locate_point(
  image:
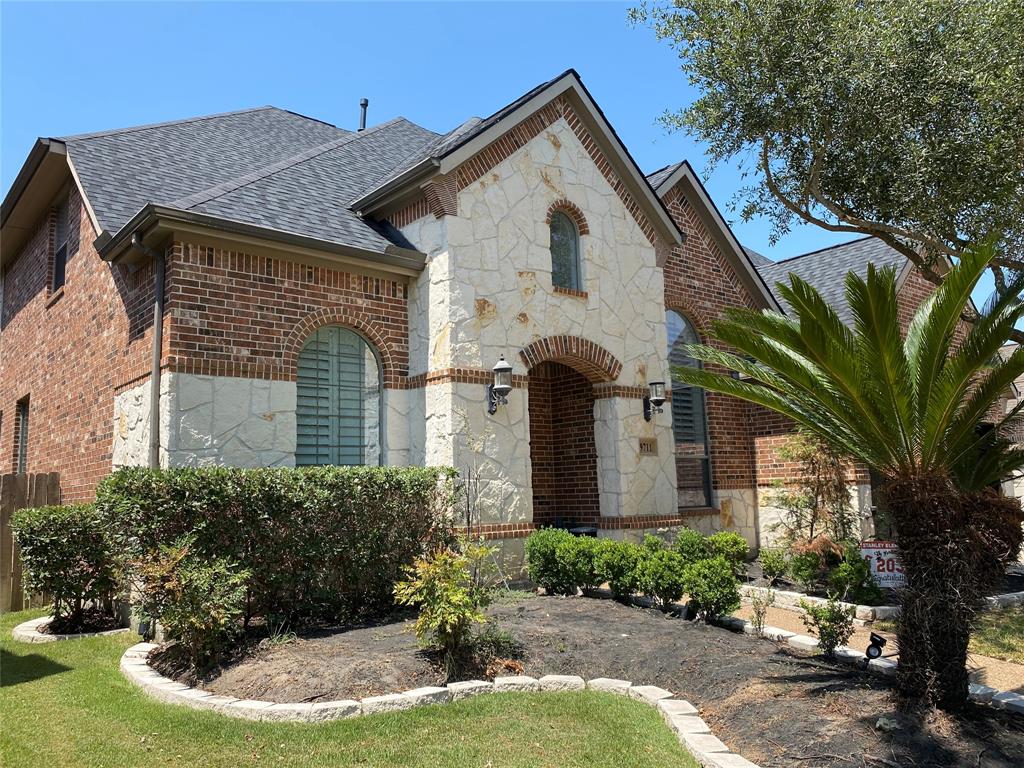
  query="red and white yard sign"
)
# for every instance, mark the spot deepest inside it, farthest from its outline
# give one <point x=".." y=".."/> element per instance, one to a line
<point x="884" y="562"/>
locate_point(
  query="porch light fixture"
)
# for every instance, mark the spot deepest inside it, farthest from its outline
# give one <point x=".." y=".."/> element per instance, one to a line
<point x="497" y="391"/>
<point x="654" y="399"/>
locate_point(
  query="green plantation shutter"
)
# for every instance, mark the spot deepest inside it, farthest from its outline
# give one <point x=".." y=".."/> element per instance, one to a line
<point x="331" y="419"/>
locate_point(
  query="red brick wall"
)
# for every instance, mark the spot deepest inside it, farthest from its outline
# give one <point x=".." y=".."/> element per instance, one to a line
<point x="67" y="351"/>
<point x="701" y="284"/>
<point x="237" y="314"/>
<point x="562" y="448"/>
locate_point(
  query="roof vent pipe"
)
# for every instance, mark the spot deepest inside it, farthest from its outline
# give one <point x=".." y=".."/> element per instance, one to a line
<point x="363" y="104"/>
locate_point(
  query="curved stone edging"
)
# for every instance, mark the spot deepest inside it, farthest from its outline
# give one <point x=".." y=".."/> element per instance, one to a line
<point x="680" y="715"/>
<point x="29" y="632"/>
<point x="982" y="694"/>
<point x="863" y="614"/>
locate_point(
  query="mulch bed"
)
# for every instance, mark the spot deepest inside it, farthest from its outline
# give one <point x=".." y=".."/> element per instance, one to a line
<point x="770" y="704"/>
<point x="93" y="620"/>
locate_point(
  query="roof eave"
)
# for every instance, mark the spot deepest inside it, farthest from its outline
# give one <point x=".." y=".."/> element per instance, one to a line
<point x="396" y="187"/>
<point x="751" y="274"/>
<point x="47" y="162"/>
<point x="118" y="248"/>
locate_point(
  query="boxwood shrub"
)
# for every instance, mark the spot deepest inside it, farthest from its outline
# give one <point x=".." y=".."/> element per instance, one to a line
<point x="68" y="553"/>
<point x="316" y="543"/>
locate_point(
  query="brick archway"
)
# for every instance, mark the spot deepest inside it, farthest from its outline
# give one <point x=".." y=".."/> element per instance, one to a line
<point x="571" y="210"/>
<point x="595" y="362"/>
<point x="357" y="321"/>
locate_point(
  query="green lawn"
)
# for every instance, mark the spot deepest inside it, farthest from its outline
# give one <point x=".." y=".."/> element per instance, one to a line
<point x="67" y="704"/>
<point x="999" y="633"/>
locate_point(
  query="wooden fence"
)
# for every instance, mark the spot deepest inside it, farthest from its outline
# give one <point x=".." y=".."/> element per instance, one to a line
<point x="18" y="492"/>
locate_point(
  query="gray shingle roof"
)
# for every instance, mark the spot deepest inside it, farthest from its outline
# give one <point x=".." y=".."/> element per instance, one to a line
<point x="826" y="269"/>
<point x="655" y="179"/>
<point x="267" y="167"/>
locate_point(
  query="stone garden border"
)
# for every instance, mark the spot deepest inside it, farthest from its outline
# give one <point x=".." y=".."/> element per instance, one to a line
<point x="31" y="632"/>
<point x="982" y="694"/>
<point x="680" y="715"/>
<point x="863" y="614"/>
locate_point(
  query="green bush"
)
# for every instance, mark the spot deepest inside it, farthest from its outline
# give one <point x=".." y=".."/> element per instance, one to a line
<point x="199" y="601"/>
<point x="732" y="546"/>
<point x="712" y="587"/>
<point x="805" y="569"/>
<point x="652" y="543"/>
<point x="691" y="545"/>
<point x="551" y="560"/>
<point x="582" y="558"/>
<point x="318" y="543"/>
<point x="852" y="579"/>
<point x="441" y="584"/>
<point x="660" y="575"/>
<point x="832" y="623"/>
<point x="619" y="565"/>
<point x="774" y="564"/>
<point x="68" y="553"/>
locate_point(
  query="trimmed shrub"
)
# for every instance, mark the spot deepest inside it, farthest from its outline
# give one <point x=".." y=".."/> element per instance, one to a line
<point x="199" y="601"/>
<point x="832" y="623"/>
<point x="732" y="546"/>
<point x="67" y="552"/>
<point x="805" y="568"/>
<point x="582" y="559"/>
<point x="318" y="543"/>
<point x="652" y="543"/>
<point x="691" y="545"/>
<point x="712" y="587"/>
<point x="619" y="565"/>
<point x="774" y="564"/>
<point x="660" y="575"/>
<point x="550" y="560"/>
<point x="852" y="579"/>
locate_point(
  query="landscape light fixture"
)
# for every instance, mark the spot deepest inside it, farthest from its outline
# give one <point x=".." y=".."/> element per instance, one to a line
<point x="497" y="391"/>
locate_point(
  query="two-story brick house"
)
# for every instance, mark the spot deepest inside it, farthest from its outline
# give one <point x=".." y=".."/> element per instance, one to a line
<point x="327" y="296"/>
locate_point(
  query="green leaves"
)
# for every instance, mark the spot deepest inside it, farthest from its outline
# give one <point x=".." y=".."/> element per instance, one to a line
<point x="902" y="406"/>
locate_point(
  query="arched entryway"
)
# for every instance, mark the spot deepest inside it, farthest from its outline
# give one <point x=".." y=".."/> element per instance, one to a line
<point x="563" y="452"/>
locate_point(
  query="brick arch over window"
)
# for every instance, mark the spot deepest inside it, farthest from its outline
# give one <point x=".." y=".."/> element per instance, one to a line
<point x="358" y="321"/>
<point x="595" y="362"/>
<point x="571" y="210"/>
<point x="700" y="323"/>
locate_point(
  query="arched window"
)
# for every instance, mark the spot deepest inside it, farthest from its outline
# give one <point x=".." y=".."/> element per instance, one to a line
<point x="339" y="400"/>
<point x="689" y="419"/>
<point x="565" y="252"/>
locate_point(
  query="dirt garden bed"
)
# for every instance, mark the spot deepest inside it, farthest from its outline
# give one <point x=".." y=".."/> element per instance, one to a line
<point x="774" y="706"/>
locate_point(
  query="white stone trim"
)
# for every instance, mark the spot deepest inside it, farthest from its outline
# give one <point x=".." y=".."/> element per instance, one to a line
<point x="31" y="632"/>
<point x="680" y="715"/>
<point x="863" y="614"/>
<point x="981" y="694"/>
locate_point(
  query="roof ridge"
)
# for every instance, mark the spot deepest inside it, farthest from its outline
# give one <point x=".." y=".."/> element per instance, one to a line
<point x="232" y="185"/>
<point x="822" y="250"/>
<point x="664" y="168"/>
<point x="183" y="121"/>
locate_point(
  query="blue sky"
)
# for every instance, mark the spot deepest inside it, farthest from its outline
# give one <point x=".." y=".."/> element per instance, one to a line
<point x="78" y="67"/>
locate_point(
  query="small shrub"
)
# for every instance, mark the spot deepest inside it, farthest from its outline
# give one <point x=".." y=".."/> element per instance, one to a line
<point x="551" y="560"/>
<point x="440" y="584"/>
<point x="67" y="552"/>
<point x="691" y="545"/>
<point x="712" y="587"/>
<point x="805" y="569"/>
<point x="852" y="579"/>
<point x="832" y="623"/>
<point x="732" y="546"/>
<point x="760" y="602"/>
<point x="198" y="601"/>
<point x="619" y="567"/>
<point x="660" y="575"/>
<point x="652" y="543"/>
<point x="774" y="564"/>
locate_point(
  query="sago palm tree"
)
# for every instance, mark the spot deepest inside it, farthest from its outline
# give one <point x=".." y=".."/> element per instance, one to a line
<point x="917" y="410"/>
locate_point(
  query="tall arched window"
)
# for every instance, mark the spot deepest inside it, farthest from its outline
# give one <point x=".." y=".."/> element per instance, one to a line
<point x="565" y="252"/>
<point x="339" y="400"/>
<point x="689" y="419"/>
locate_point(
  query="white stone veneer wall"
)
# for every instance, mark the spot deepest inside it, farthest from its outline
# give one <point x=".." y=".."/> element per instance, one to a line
<point x="232" y="421"/>
<point x="770" y="513"/>
<point x="486" y="292"/>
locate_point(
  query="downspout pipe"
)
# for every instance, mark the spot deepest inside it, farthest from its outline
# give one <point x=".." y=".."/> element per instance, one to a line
<point x="158" y="344"/>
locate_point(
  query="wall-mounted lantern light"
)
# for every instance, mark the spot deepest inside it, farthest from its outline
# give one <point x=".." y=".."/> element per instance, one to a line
<point x="654" y="399"/>
<point x="497" y="391"/>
